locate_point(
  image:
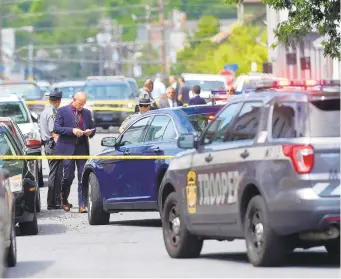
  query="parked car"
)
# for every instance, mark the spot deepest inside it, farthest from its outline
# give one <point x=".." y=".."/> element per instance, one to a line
<point x="13" y="106"/>
<point x="22" y="142"/>
<point x="119" y="185"/>
<point x="23" y="180"/>
<point x="8" y="246"/>
<point x="68" y="88"/>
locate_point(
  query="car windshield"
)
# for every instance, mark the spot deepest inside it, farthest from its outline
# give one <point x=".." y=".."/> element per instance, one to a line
<point x="207" y="85"/>
<point x="118" y="91"/>
<point x="69" y="91"/>
<point x="26" y="91"/>
<point x="200" y="121"/>
<point x="134" y="87"/>
<point x="16" y="111"/>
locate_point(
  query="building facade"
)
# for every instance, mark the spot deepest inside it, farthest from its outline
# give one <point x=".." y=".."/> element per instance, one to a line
<point x="293" y="62"/>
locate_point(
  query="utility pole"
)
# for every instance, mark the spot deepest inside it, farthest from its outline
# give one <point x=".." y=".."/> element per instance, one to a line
<point x="163" y="40"/>
<point x="2" y="65"/>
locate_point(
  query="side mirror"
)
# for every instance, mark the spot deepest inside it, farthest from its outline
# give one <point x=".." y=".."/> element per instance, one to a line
<point x="188" y="141"/>
<point x="35" y="116"/>
<point x="108" y="142"/>
<point x="31" y="143"/>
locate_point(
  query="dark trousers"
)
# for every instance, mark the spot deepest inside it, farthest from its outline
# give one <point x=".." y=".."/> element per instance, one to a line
<point x="69" y="167"/>
<point x="55" y="179"/>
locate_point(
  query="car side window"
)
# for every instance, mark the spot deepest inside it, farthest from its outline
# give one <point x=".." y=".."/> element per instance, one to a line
<point x="135" y="132"/>
<point x="217" y="130"/>
<point x="170" y="132"/>
<point x="6" y="148"/>
<point x="157" y="128"/>
<point x="246" y="124"/>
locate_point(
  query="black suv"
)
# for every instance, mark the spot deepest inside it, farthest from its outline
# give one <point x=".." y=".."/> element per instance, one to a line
<point x="108" y="89"/>
<point x="23" y="179"/>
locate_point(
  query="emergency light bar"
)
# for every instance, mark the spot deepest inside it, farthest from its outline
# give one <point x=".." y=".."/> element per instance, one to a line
<point x="219" y="94"/>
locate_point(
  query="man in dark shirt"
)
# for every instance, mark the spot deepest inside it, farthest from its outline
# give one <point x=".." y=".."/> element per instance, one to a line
<point x="183" y="95"/>
<point x="196" y="100"/>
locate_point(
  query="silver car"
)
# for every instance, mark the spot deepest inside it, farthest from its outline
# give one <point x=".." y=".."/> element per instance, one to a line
<point x="266" y="170"/>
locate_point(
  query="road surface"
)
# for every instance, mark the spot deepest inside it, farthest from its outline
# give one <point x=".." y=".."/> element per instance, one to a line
<point x="132" y="246"/>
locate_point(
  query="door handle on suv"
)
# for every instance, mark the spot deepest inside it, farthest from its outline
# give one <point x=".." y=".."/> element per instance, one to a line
<point x="126" y="151"/>
<point x="208" y="158"/>
<point x="245" y="154"/>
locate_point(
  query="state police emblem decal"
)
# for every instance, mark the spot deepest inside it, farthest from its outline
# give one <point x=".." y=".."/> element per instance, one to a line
<point x="191" y="192"/>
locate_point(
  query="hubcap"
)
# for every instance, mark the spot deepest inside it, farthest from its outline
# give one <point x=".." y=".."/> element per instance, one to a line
<point x="174" y="226"/>
<point x="256" y="230"/>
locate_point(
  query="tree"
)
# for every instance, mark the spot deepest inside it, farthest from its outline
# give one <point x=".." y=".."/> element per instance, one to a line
<point x="306" y="16"/>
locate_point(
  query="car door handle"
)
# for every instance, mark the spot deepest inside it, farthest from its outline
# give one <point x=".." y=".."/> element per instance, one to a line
<point x="157" y="150"/>
<point x="245" y="154"/>
<point x="208" y="158"/>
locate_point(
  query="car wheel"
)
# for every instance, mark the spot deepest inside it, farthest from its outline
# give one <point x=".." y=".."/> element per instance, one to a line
<point x="96" y="214"/>
<point x="30" y="228"/>
<point x="12" y="249"/>
<point x="333" y="247"/>
<point x="38" y="201"/>
<point x="179" y="242"/>
<point x="264" y="247"/>
<point x="105" y="127"/>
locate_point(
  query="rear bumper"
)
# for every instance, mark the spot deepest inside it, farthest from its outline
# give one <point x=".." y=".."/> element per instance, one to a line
<point x="302" y="210"/>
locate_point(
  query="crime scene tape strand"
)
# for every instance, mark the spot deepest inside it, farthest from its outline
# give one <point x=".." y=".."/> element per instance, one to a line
<point x="83" y="157"/>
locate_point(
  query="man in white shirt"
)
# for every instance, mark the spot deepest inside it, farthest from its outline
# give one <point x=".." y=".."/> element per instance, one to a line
<point x="171" y="100"/>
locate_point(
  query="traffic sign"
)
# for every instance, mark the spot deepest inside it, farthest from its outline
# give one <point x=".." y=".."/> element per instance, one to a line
<point x="232" y="67"/>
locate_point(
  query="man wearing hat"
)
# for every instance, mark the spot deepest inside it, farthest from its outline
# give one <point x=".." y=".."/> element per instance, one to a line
<point x="49" y="139"/>
<point x="144" y="105"/>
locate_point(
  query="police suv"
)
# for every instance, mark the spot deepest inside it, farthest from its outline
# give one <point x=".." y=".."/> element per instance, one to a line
<point x="266" y="170"/>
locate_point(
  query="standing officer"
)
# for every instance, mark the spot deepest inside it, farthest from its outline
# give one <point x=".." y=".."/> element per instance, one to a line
<point x="49" y="139"/>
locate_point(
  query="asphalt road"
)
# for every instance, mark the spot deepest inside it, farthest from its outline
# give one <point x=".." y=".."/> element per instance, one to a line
<point x="132" y="246"/>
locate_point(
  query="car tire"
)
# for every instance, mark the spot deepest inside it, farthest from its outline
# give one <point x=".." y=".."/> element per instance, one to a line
<point x="179" y="242"/>
<point x="96" y="214"/>
<point x="40" y="176"/>
<point x="271" y="248"/>
<point x="333" y="247"/>
<point x="12" y="249"/>
<point x="38" y="201"/>
<point x="30" y="228"/>
<point x="105" y="127"/>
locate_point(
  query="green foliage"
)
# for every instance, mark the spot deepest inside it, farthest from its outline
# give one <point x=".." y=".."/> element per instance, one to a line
<point x="203" y="56"/>
<point x="306" y="16"/>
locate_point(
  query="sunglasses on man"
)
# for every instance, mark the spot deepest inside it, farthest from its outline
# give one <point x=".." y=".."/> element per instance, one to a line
<point x="143" y="106"/>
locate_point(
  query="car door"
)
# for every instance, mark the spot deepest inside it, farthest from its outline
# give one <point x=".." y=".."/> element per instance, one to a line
<point x="159" y="140"/>
<point x="15" y="167"/>
<point x="207" y="170"/>
<point x="116" y="176"/>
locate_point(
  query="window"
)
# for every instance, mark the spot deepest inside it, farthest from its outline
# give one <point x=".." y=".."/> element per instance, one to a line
<point x="246" y="124"/>
<point x="134" y="133"/>
<point x="16" y="111"/>
<point x="6" y="148"/>
<point x="199" y="121"/>
<point x="68" y="92"/>
<point x="27" y="91"/>
<point x="217" y="131"/>
<point x="207" y="85"/>
<point x="157" y="128"/>
<point x="283" y="120"/>
<point x="113" y="91"/>
<point x="170" y="133"/>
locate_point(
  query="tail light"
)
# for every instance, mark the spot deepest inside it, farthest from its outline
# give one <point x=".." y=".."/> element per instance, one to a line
<point x="211" y="117"/>
<point x="302" y="157"/>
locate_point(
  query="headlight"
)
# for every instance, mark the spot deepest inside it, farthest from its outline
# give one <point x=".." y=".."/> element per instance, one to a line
<point x="30" y="135"/>
<point x="15" y="183"/>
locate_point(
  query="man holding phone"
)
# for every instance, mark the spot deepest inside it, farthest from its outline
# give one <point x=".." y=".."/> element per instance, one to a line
<point x="75" y="126"/>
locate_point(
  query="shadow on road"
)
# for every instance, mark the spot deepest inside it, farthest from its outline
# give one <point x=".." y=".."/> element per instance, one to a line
<point x="27" y="269"/>
<point x="51" y="229"/>
<point x="298" y="259"/>
<point x="156" y="223"/>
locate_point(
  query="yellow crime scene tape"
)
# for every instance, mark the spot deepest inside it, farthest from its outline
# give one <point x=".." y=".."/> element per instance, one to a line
<point x="82" y="157"/>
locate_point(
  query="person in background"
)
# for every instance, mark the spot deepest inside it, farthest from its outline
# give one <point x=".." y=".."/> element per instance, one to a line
<point x="158" y="89"/>
<point x="183" y="95"/>
<point x="49" y="139"/>
<point x="75" y="126"/>
<point x="174" y="83"/>
<point x="197" y="100"/>
<point x="148" y="87"/>
<point x="171" y="100"/>
<point x="144" y="105"/>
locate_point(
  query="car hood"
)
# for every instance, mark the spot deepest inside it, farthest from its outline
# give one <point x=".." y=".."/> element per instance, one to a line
<point x="25" y="128"/>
